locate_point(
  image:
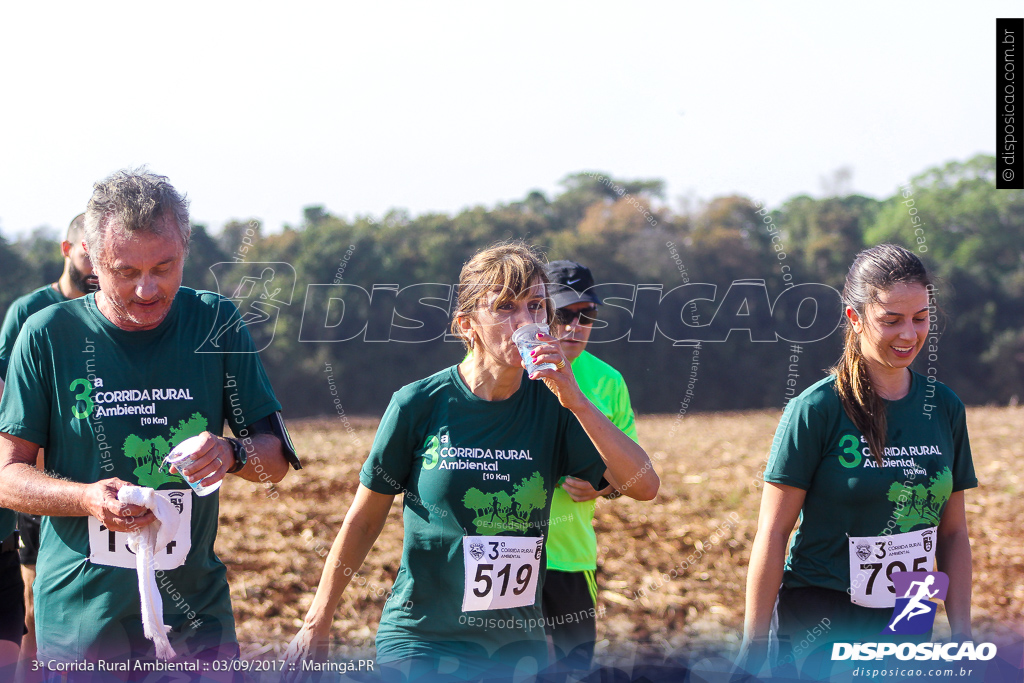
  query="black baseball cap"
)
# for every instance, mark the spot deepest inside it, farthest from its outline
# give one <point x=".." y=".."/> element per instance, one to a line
<point x="571" y="283"/>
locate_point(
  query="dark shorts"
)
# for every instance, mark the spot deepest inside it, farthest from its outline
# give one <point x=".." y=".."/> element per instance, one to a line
<point x="12" y="598"/>
<point x="570" y="601"/>
<point x="811" y="619"/>
<point x="28" y="529"/>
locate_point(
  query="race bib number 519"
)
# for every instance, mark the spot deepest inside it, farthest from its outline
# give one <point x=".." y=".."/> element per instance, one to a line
<point x="873" y="559"/>
<point x="501" y="571"/>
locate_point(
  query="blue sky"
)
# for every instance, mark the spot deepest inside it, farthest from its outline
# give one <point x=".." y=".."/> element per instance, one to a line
<point x="256" y="111"/>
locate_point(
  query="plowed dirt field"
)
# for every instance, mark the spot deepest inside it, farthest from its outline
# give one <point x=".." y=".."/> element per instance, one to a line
<point x="706" y="510"/>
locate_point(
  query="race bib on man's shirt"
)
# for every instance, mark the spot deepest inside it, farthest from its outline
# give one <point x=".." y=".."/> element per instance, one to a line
<point x="110" y="548"/>
<point x="501" y="571"/>
<point x="873" y="559"/>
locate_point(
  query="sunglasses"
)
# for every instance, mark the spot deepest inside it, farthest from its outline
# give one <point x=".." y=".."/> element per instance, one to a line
<point x="587" y="316"/>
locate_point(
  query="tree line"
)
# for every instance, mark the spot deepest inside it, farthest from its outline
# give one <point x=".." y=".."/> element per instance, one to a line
<point x="656" y="264"/>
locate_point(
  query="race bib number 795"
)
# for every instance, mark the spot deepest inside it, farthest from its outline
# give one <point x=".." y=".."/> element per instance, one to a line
<point x="873" y="559"/>
<point x="501" y="571"/>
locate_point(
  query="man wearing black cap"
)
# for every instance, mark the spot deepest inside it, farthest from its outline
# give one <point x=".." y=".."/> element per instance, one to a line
<point x="570" y="590"/>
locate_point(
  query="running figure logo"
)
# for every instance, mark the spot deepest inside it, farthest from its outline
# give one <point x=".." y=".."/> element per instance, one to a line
<point x="914" y="612"/>
<point x="258" y="291"/>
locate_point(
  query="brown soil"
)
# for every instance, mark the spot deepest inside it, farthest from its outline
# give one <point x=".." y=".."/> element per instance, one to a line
<point x="709" y="465"/>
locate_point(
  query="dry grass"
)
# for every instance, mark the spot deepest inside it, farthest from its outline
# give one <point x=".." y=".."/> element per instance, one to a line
<point x="708" y="505"/>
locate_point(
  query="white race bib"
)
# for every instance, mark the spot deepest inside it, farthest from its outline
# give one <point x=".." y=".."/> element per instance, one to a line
<point x="873" y="559"/>
<point x="110" y="548"/>
<point x="501" y="571"/>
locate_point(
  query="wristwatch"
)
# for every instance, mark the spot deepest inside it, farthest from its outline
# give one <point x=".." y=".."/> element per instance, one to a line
<point x="240" y="455"/>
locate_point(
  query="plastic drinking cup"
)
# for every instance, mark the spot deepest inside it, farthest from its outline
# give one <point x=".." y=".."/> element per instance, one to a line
<point x="526" y="340"/>
<point x="182" y="456"/>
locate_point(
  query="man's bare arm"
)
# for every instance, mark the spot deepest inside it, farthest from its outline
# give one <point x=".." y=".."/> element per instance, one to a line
<point x="26" y="489"/>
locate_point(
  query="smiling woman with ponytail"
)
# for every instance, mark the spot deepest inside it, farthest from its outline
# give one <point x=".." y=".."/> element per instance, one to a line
<point x="874" y="271"/>
<point x="874" y="460"/>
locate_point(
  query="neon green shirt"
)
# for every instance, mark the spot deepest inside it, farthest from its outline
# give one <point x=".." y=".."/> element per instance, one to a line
<point x="572" y="543"/>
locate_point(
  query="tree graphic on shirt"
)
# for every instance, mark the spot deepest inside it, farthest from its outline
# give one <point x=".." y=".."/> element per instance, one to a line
<point x="149" y="454"/>
<point x="497" y="511"/>
<point x="476" y="500"/>
<point x="146" y="454"/>
<point x="921" y="504"/>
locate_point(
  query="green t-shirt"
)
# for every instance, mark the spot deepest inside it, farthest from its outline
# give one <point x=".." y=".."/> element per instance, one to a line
<point x="105" y="403"/>
<point x="470" y="467"/>
<point x="572" y="543"/>
<point x="7" y="522"/>
<point x="19" y="311"/>
<point x="817" y="448"/>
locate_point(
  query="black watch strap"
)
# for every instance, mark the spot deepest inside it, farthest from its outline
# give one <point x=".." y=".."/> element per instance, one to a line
<point x="240" y="455"/>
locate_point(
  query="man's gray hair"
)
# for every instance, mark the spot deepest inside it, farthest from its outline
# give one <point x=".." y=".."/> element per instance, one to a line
<point x="131" y="201"/>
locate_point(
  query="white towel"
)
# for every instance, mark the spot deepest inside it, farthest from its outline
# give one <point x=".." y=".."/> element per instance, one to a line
<point x="145" y="543"/>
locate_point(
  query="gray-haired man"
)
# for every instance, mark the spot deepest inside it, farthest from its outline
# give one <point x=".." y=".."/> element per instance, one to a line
<point x="109" y="384"/>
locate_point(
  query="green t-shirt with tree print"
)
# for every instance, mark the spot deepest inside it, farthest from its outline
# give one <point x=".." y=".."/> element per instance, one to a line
<point x="818" y="449"/>
<point x="468" y="467"/>
<point x="105" y="402"/>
